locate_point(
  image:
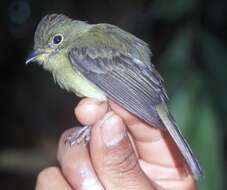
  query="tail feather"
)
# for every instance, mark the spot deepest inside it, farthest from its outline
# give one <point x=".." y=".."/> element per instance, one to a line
<point x="180" y="141"/>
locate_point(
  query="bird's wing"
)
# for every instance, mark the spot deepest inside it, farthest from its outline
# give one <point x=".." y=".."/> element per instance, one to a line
<point x="126" y="80"/>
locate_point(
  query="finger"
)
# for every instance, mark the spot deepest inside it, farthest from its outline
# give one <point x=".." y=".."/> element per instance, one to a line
<point x="89" y="111"/>
<point x="113" y="157"/>
<point x="148" y="140"/>
<point x="154" y="146"/>
<point x="76" y="165"/>
<point x="168" y="177"/>
<point x="51" y="178"/>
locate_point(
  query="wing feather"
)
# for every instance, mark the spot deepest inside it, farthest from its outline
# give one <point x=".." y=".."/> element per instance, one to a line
<point x="134" y="85"/>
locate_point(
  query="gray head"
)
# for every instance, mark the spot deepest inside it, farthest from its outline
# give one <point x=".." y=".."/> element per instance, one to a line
<point x="53" y="34"/>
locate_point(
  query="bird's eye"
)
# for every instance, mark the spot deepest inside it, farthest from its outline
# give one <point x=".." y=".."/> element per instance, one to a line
<point x="57" y="39"/>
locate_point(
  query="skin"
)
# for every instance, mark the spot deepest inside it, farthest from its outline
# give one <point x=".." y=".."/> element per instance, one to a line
<point x="143" y="158"/>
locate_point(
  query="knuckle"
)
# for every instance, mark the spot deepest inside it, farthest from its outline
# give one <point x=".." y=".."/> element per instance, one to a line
<point x="122" y="160"/>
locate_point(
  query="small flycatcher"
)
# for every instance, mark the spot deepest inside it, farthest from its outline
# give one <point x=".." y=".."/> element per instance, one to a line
<point x="102" y="61"/>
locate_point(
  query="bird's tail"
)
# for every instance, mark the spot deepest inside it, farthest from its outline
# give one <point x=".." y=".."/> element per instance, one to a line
<point x="180" y="141"/>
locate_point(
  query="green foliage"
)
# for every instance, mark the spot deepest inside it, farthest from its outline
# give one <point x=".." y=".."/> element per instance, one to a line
<point x="199" y="122"/>
<point x="214" y="53"/>
<point x="175" y="8"/>
<point x="192" y="98"/>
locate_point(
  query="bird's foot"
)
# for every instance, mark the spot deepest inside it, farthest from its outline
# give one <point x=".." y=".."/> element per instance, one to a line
<point x="83" y="133"/>
<point x="78" y="135"/>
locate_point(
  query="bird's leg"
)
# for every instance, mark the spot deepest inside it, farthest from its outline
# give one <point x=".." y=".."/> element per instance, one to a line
<point x="78" y="135"/>
<point x="82" y="133"/>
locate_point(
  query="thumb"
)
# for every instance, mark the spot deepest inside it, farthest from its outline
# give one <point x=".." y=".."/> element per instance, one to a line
<point x="113" y="157"/>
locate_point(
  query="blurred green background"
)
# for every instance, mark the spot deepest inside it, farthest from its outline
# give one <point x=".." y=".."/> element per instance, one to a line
<point x="189" y="43"/>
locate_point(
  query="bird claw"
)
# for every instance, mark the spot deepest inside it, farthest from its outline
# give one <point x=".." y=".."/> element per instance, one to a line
<point x="78" y="135"/>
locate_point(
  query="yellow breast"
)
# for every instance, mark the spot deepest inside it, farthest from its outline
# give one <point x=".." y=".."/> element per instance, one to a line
<point x="72" y="80"/>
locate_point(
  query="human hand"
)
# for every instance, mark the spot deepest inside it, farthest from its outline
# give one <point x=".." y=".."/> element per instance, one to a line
<point x="141" y="157"/>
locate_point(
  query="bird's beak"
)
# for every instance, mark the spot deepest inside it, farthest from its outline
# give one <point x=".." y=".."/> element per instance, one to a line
<point x="34" y="55"/>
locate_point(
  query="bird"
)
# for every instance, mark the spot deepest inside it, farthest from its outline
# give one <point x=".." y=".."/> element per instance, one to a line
<point x="105" y="62"/>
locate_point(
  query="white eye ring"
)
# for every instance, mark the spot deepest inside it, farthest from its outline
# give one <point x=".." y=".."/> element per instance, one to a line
<point x="57" y="39"/>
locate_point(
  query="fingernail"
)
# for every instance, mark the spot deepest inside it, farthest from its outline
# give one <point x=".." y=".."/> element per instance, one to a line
<point x="113" y="130"/>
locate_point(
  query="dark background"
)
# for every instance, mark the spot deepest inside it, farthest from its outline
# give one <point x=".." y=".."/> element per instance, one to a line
<point x="189" y="43"/>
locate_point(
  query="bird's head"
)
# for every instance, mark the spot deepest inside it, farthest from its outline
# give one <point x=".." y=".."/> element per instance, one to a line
<point x="53" y="37"/>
